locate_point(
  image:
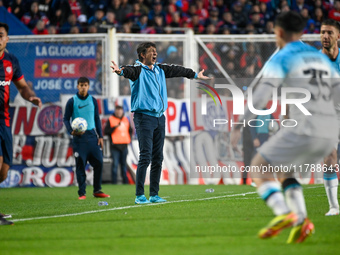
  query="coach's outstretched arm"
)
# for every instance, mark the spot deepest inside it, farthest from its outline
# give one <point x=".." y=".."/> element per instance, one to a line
<point x="117" y="70"/>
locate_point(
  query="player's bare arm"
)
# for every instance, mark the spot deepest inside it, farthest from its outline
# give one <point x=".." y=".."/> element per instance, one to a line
<point x="27" y="93"/>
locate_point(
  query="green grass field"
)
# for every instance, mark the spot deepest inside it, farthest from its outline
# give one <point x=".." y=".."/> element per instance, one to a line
<point x="53" y="221"/>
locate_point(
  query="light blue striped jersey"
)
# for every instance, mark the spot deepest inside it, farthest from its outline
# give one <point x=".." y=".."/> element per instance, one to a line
<point x="336" y="62"/>
<point x="302" y="68"/>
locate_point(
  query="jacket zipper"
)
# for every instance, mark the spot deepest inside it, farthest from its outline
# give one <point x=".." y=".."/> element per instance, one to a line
<point x="159" y="92"/>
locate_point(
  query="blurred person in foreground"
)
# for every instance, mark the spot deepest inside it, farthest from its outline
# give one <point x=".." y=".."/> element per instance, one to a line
<point x="330" y="34"/>
<point x="294" y="68"/>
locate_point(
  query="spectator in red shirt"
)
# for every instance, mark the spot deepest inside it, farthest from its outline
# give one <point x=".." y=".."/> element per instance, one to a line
<point x="40" y="28"/>
<point x="206" y="63"/>
<point x="196" y="25"/>
<point x="75" y="7"/>
<point x="171" y="9"/>
<point x="201" y="11"/>
<point x="335" y="12"/>
<point x="250" y="61"/>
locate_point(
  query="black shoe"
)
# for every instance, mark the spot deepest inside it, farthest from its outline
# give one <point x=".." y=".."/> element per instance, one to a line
<point x="5" y="222"/>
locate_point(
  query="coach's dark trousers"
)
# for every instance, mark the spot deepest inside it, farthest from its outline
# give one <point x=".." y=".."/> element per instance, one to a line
<point x="151" y="133"/>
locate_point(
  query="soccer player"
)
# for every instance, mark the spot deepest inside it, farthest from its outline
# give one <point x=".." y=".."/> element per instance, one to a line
<point x="9" y="71"/>
<point x="295" y="67"/>
<point x="149" y="102"/>
<point x="86" y="145"/>
<point x="330" y="34"/>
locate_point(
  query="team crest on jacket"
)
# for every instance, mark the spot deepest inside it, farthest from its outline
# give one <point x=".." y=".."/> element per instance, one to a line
<point x="8" y="69"/>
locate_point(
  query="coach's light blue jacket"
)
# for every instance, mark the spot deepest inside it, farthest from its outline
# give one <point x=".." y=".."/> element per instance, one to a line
<point x="148" y="87"/>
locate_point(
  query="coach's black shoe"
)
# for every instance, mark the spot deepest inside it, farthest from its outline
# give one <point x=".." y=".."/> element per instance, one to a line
<point x="5" y="222"/>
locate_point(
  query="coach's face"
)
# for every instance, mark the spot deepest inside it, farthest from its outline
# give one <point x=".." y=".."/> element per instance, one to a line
<point x="329" y="36"/>
<point x="83" y="88"/>
<point x="150" y="56"/>
<point x="3" y="39"/>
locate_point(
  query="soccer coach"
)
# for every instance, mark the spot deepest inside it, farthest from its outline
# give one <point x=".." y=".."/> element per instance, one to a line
<point x="149" y="102"/>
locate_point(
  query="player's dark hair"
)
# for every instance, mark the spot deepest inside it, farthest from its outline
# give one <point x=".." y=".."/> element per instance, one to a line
<point x="290" y="21"/>
<point x="83" y="80"/>
<point x="331" y="22"/>
<point x="143" y="47"/>
<point x="4" y="25"/>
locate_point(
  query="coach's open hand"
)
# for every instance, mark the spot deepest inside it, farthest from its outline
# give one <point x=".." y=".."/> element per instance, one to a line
<point x="115" y="68"/>
<point x="201" y="76"/>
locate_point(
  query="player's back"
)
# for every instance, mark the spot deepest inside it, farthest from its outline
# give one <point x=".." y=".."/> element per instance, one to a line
<point x="299" y="65"/>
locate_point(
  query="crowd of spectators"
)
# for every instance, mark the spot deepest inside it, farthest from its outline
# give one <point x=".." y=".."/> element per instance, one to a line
<point x="170" y="16"/>
<point x="241" y="60"/>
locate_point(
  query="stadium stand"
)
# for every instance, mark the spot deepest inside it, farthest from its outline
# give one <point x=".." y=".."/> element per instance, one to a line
<point x="155" y="16"/>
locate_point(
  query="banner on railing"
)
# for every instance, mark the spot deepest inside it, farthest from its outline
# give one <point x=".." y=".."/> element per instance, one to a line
<point x="43" y="155"/>
<point x="54" y="68"/>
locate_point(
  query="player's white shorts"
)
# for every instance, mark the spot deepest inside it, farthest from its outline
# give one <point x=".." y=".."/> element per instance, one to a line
<point x="287" y="148"/>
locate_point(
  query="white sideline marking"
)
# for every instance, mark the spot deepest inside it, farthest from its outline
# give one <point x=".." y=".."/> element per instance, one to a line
<point x="130" y="206"/>
<point x="139" y="206"/>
